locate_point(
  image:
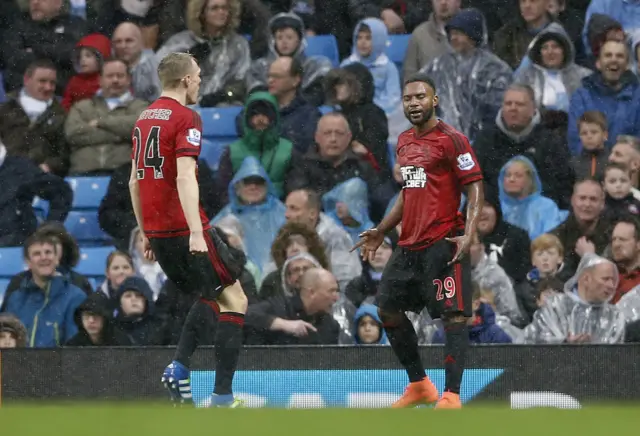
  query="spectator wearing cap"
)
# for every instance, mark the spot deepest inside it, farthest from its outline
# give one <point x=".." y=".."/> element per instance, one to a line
<point x="429" y="40"/>
<point x="262" y="140"/>
<point x="364" y="288"/>
<point x="32" y="120"/>
<point x="89" y="56"/>
<point x="13" y="334"/>
<point x="128" y="45"/>
<point x="332" y="161"/>
<point x="369" y="44"/>
<point x="45" y="32"/>
<point x="613" y="90"/>
<point x="222" y="54"/>
<point x="287" y="38"/>
<point x="517" y="130"/>
<point x="627" y="13"/>
<point x="511" y="41"/>
<point x="473" y="78"/>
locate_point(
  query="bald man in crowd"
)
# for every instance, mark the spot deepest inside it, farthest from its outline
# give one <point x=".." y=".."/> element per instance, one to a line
<point x="300" y="319"/>
<point x="128" y="45"/>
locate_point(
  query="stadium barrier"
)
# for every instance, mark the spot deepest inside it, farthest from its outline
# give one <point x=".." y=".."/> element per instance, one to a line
<point x="523" y="376"/>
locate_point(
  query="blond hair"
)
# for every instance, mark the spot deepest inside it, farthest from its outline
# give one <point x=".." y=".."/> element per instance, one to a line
<point x="195" y="17"/>
<point x="173" y="67"/>
<point x="546" y="242"/>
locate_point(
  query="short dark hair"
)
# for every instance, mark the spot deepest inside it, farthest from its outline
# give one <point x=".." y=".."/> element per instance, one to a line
<point x="110" y="60"/>
<point x="34" y="239"/>
<point x="592" y="180"/>
<point x="46" y="64"/>
<point x="631" y="220"/>
<point x="421" y="77"/>
<point x="70" y="249"/>
<point x="549" y="283"/>
<point x="364" y="28"/>
<point x="524" y="88"/>
<point x="594" y="117"/>
<point x="615" y="166"/>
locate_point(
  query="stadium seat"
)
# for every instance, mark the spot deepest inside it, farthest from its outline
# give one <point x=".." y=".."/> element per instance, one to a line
<point x="40" y="208"/>
<point x="84" y="227"/>
<point x="397" y="49"/>
<point x="11" y="261"/>
<point x="326" y="109"/>
<point x="87" y="191"/>
<point x="3" y="288"/>
<point x="93" y="261"/>
<point x="212" y="150"/>
<point x="219" y="123"/>
<point x="323" y="45"/>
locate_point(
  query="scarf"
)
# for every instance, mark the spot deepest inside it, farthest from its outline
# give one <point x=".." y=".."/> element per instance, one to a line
<point x="31" y="106"/>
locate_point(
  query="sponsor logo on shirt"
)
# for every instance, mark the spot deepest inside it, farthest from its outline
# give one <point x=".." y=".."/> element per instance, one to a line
<point x="465" y="162"/>
<point x="193" y="137"/>
<point x="414" y="177"/>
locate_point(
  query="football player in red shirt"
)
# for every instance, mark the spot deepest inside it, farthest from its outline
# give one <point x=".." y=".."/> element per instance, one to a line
<point x="165" y="197"/>
<point x="429" y="268"/>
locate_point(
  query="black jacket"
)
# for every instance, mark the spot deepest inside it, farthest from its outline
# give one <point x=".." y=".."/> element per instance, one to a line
<point x="21" y="180"/>
<point x="362" y="287"/>
<point x="27" y="40"/>
<point x="313" y="172"/>
<point x="97" y="304"/>
<point x="116" y="215"/>
<point x="260" y="316"/>
<point x="548" y="153"/>
<point x="510" y="244"/>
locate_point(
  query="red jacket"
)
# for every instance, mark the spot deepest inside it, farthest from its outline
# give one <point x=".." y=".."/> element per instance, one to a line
<point x="628" y="281"/>
<point x="85" y="85"/>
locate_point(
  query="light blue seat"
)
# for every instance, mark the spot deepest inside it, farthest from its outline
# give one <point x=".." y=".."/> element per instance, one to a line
<point x="397" y="49"/>
<point x="11" y="261"/>
<point x="219" y="123"/>
<point x="93" y="261"/>
<point x="40" y="208"/>
<point x="84" y="227"/>
<point x="88" y="191"/>
<point x="323" y="45"/>
<point x="211" y="152"/>
<point x="326" y="109"/>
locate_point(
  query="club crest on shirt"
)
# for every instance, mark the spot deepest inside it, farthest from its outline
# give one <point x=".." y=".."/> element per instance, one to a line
<point x="465" y="162"/>
<point x="193" y="137"/>
<point x="413" y="176"/>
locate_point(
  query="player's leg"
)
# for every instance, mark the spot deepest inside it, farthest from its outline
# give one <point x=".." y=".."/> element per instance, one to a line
<point x="399" y="292"/>
<point x="454" y="306"/>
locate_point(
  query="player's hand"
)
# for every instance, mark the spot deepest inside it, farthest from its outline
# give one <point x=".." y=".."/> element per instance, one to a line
<point x="462" y="246"/>
<point x="369" y="242"/>
<point x="299" y="328"/>
<point x="197" y="243"/>
<point x="146" y="249"/>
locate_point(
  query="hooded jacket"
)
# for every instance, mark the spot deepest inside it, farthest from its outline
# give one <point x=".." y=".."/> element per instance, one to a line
<point x="285" y="289"/>
<point x="484" y="329"/>
<point x="260" y="222"/>
<point x="47" y="314"/>
<point x="145" y="329"/>
<point x="622" y="107"/>
<point x="314" y="67"/>
<point x="372" y="311"/>
<point x="535" y="213"/>
<point x="386" y="78"/>
<point x="548" y="152"/>
<point x="97" y="304"/>
<point x="471" y="86"/>
<point x="85" y="85"/>
<point x="367" y="121"/>
<point x="273" y="151"/>
<point x="542" y="79"/>
<point x="10" y="323"/>
<point x="506" y="244"/>
<point x="353" y="194"/>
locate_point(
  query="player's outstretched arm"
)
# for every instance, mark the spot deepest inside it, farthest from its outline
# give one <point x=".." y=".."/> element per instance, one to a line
<point x="371" y="239"/>
<point x="394" y="216"/>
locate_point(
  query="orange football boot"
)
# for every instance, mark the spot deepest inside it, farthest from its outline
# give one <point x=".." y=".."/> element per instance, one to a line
<point x="449" y="400"/>
<point x="417" y="393"/>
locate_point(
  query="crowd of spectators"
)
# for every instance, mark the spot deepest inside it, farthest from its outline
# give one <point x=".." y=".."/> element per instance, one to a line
<point x="546" y="90"/>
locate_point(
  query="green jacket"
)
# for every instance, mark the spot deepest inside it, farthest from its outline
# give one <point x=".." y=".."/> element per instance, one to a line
<point x="273" y="152"/>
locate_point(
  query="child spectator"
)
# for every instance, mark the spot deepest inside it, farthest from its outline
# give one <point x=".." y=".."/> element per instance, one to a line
<point x="150" y="270"/>
<point x="96" y="325"/>
<point x="369" y="42"/>
<point x="521" y="198"/>
<point x="547" y="254"/>
<point x="90" y="52"/>
<point x="592" y="127"/>
<point x="546" y="288"/>
<point x="119" y="267"/>
<point x="619" y="200"/>
<point x="482" y="326"/>
<point x="368" y="327"/>
<point x="13" y="334"/>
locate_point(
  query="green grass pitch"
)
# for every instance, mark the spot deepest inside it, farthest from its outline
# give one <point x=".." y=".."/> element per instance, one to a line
<point x="137" y="419"/>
